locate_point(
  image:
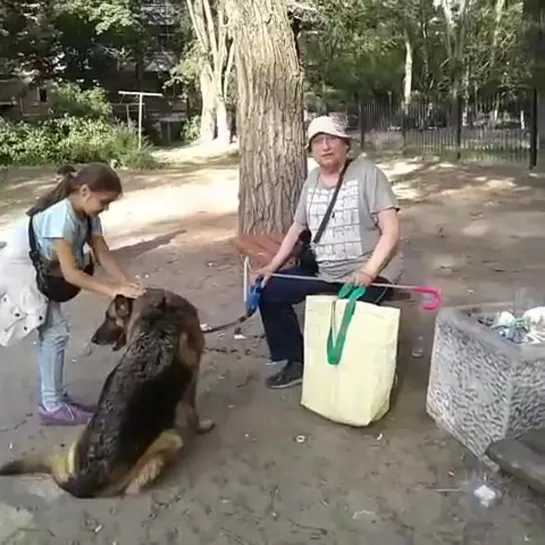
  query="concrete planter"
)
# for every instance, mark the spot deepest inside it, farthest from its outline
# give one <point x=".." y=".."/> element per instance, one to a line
<point x="482" y="387"/>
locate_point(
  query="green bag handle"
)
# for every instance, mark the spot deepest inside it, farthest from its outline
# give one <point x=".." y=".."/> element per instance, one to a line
<point x="335" y="346"/>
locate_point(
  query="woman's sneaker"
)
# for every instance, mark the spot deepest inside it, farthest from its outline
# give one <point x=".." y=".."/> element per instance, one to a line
<point x="290" y="375"/>
<point x="272" y="363"/>
<point x="63" y="415"/>
<point x="85" y="407"/>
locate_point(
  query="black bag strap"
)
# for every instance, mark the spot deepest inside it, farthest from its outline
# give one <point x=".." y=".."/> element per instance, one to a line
<point x="327" y="215"/>
<point x="34" y="252"/>
<point x="89" y="229"/>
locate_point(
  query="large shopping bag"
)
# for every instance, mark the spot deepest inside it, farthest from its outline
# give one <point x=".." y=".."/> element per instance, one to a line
<point x="350" y="357"/>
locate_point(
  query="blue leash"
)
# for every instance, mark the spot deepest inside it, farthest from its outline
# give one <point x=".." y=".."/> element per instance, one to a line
<point x="252" y="304"/>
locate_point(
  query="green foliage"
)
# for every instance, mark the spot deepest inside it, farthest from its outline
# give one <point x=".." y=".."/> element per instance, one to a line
<point x="107" y="15"/>
<point x="97" y="36"/>
<point x="72" y="100"/>
<point x="534" y="40"/>
<point x="188" y="69"/>
<point x="358" y="48"/>
<point x="28" y="39"/>
<point x="191" y="129"/>
<point x="70" y="139"/>
<point x="78" y="39"/>
<point x="354" y="52"/>
<point x="79" y="128"/>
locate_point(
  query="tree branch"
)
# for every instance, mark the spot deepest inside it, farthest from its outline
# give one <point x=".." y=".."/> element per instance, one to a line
<point x="222" y="35"/>
<point x="198" y="27"/>
<point x="228" y="68"/>
<point x="447" y="12"/>
<point x="211" y="34"/>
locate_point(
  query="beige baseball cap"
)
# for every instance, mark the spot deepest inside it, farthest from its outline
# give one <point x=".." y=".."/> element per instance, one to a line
<point x="326" y="125"/>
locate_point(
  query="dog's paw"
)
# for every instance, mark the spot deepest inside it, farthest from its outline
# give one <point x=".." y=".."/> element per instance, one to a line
<point x="205" y="425"/>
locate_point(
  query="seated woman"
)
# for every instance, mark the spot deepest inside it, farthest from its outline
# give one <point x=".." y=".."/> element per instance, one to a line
<point x="360" y="244"/>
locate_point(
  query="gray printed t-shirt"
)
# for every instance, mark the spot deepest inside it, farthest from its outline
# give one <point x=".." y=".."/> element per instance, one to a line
<point x="352" y="231"/>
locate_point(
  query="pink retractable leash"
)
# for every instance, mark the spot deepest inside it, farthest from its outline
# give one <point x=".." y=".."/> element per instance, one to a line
<point x="434" y="294"/>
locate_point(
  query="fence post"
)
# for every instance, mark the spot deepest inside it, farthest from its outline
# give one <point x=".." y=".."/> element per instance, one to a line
<point x="533" y="129"/>
<point x="458" y="143"/>
<point x="404" y="116"/>
<point x="361" y="122"/>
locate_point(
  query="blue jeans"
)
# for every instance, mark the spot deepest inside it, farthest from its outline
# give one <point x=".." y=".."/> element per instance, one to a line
<point x="53" y="337"/>
<point x="278" y="316"/>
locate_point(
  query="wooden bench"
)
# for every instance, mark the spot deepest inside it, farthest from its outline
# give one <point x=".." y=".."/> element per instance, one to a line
<point x="260" y="249"/>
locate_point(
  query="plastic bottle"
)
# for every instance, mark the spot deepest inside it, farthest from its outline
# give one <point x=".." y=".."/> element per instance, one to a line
<point x="418" y="348"/>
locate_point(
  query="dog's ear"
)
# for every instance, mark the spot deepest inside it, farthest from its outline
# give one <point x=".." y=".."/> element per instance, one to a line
<point x="120" y="343"/>
<point x="123" y="306"/>
<point x="161" y="304"/>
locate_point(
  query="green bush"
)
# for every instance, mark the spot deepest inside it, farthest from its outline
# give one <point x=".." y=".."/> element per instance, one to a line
<point x="72" y="100"/>
<point x="79" y="128"/>
<point x="69" y="139"/>
<point x="191" y="129"/>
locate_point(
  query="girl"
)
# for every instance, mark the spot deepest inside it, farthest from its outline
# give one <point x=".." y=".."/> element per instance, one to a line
<point x="63" y="221"/>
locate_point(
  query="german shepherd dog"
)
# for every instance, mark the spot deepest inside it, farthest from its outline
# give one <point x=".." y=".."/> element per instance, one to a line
<point x="133" y="433"/>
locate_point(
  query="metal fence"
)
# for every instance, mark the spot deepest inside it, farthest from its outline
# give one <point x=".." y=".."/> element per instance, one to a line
<point x="500" y="128"/>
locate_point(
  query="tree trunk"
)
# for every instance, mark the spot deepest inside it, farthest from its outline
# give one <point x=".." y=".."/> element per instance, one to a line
<point x="541" y="131"/>
<point x="208" y="109"/>
<point x="534" y="12"/>
<point x="465" y="91"/>
<point x="270" y="128"/>
<point x="223" y="125"/>
<point x="455" y="42"/>
<point x="408" y="79"/>
<point x="539" y="78"/>
<point x="498" y="9"/>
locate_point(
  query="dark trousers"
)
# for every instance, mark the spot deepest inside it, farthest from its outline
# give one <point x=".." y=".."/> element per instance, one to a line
<point x="280" y="322"/>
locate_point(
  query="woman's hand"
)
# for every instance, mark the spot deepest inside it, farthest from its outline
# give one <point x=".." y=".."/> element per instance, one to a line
<point x="130" y="290"/>
<point x="264" y="272"/>
<point x="362" y="279"/>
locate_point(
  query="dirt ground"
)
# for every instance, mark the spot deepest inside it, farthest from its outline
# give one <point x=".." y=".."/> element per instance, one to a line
<point x="476" y="233"/>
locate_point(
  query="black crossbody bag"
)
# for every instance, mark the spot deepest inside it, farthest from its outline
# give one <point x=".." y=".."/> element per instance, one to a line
<point x="52" y="282"/>
<point x="304" y="254"/>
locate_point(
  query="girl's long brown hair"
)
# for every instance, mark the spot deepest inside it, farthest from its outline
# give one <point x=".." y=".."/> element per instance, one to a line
<point x="96" y="176"/>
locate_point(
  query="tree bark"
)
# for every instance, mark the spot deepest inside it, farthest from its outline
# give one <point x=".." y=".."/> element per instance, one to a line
<point x="270" y="127"/>
<point x="210" y="29"/>
<point x="208" y="109"/>
<point x="535" y="16"/>
<point x="498" y="13"/>
<point x="455" y="41"/>
<point x="408" y="78"/>
<point x="222" y="123"/>
<point x="541" y="131"/>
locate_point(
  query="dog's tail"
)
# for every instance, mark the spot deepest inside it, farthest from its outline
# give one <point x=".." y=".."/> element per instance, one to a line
<point x="32" y="463"/>
<point x="61" y="466"/>
<point x="82" y="485"/>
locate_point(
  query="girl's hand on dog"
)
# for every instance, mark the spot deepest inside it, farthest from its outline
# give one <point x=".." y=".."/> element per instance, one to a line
<point x="130" y="290"/>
